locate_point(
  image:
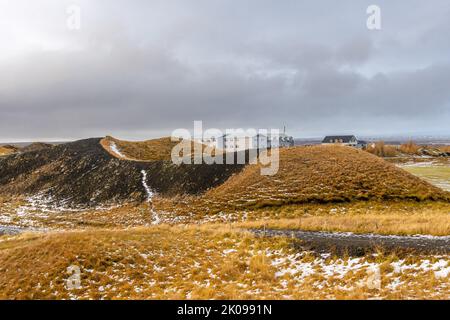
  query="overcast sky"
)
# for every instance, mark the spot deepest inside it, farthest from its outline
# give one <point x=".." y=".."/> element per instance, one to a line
<point x="140" y="69"/>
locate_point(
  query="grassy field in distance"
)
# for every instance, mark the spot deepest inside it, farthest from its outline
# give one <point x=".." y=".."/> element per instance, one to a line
<point x="438" y="175"/>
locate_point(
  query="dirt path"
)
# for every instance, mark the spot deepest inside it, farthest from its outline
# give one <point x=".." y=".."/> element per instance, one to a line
<point x="360" y="243"/>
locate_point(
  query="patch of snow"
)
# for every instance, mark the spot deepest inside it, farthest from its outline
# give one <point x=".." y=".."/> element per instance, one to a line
<point x="443" y="273"/>
<point x="293" y="267"/>
<point x="228" y="251"/>
<point x="155" y="217"/>
<point x="394" y="284"/>
<point x="116" y="150"/>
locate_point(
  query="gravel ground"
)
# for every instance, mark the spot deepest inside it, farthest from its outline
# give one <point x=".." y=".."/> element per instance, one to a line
<point x="361" y="243"/>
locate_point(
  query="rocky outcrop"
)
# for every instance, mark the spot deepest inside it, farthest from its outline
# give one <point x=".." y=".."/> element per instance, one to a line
<point x="433" y="152"/>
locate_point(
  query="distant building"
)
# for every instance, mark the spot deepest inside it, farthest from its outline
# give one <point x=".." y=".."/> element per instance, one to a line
<point x="285" y="141"/>
<point x="232" y="143"/>
<point x="348" y="140"/>
<point x="362" y="144"/>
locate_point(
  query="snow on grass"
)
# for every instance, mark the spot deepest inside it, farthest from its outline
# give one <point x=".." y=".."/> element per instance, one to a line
<point x="155" y="217"/>
<point x="196" y="263"/>
<point x="295" y="266"/>
<point x="228" y="251"/>
<point x="116" y="150"/>
<point x="300" y="267"/>
<point x="442" y="273"/>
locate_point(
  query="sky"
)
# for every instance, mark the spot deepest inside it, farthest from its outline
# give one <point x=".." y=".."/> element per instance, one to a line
<point x="143" y="68"/>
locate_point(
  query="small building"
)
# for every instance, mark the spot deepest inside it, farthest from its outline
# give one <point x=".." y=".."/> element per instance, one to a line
<point x="362" y="144"/>
<point x="282" y="140"/>
<point x="231" y="143"/>
<point x="285" y="141"/>
<point x="238" y="142"/>
<point x="347" y="140"/>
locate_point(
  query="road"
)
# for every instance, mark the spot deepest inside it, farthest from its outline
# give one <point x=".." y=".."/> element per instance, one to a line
<point x="360" y="243"/>
<point x="9" y="230"/>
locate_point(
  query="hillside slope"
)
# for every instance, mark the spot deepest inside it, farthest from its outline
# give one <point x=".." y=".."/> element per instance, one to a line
<point x="83" y="173"/>
<point x="323" y="174"/>
<point x="36" y="146"/>
<point x="77" y="173"/>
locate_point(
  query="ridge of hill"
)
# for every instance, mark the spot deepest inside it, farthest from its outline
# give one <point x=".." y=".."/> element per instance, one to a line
<point x="148" y="150"/>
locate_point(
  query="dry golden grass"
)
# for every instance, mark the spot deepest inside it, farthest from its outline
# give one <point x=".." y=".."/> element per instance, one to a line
<point x="444" y="149"/>
<point x="321" y="174"/>
<point x="382" y="150"/>
<point x="386" y="217"/>
<point x="150" y="150"/>
<point x="203" y="263"/>
<point x="410" y="148"/>
<point x="407" y="149"/>
<point x="6" y="150"/>
<point x="425" y="223"/>
<point x="383" y="217"/>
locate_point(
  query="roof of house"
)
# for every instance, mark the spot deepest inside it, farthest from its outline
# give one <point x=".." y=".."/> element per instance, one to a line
<point x="344" y="139"/>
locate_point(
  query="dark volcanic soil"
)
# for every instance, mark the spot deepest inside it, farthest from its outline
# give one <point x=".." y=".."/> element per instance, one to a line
<point x="84" y="174"/>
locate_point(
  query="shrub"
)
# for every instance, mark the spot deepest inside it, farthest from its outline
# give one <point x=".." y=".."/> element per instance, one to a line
<point x="410" y="148"/>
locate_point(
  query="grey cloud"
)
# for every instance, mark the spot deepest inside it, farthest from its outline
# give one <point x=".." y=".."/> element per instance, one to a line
<point x="229" y="67"/>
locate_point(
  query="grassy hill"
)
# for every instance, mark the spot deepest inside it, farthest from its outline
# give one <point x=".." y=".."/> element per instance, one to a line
<point x="323" y="174"/>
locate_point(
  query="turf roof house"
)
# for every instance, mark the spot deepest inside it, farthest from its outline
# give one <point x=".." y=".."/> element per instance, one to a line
<point x="349" y="140"/>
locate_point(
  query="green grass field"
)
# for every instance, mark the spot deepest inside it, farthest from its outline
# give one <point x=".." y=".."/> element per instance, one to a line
<point x="435" y="174"/>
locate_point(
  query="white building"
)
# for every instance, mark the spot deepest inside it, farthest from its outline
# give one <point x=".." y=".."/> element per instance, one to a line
<point x="349" y="140"/>
<point x="236" y="142"/>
